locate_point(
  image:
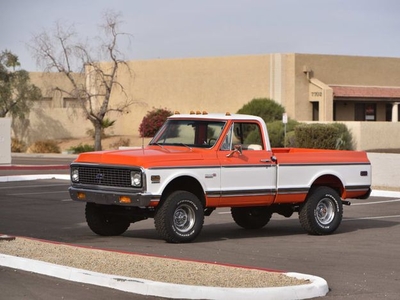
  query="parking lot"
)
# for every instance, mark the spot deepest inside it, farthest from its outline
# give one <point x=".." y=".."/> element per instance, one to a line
<point x="359" y="261"/>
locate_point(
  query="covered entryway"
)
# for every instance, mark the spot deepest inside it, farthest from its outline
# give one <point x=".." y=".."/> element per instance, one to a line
<point x="365" y="103"/>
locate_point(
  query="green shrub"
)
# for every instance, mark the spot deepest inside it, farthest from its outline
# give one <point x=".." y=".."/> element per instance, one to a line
<point x="291" y="139"/>
<point x="276" y="132"/>
<point x="153" y="121"/>
<point x="323" y="136"/>
<point x="265" y="108"/>
<point x="17" y="146"/>
<point x="47" y="146"/>
<point x="271" y="112"/>
<point x="344" y="140"/>
<point x="81" y="148"/>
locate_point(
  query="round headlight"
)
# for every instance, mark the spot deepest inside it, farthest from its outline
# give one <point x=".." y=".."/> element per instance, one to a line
<point x="75" y="175"/>
<point x="136" y="179"/>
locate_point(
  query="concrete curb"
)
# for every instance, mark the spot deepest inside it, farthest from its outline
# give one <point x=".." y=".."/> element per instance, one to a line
<point x="34" y="167"/>
<point x="317" y="287"/>
<point x="380" y="193"/>
<point x="33" y="177"/>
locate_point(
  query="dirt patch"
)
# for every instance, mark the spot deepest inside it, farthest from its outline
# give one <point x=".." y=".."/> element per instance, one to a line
<point x="147" y="267"/>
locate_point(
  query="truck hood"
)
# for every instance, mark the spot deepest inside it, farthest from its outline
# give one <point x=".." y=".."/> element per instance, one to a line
<point x="150" y="156"/>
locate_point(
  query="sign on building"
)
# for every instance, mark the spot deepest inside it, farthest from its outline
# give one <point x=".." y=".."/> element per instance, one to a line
<point x="5" y="141"/>
<point x="315" y="93"/>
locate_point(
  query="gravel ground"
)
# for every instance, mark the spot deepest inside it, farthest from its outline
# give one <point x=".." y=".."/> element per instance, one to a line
<point x="146" y="267"/>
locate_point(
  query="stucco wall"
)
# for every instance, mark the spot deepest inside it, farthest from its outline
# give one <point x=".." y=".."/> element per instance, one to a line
<point x="342" y="70"/>
<point x="375" y="135"/>
<point x="214" y="84"/>
<point x="352" y="70"/>
<point x="5" y="141"/>
<point x="52" y="117"/>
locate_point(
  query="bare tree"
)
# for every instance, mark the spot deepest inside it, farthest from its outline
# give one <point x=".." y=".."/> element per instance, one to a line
<point x="60" y="50"/>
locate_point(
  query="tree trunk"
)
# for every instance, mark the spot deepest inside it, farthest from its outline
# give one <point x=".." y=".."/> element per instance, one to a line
<point x="97" y="136"/>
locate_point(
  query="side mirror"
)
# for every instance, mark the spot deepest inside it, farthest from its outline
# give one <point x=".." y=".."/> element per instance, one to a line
<point x="236" y="149"/>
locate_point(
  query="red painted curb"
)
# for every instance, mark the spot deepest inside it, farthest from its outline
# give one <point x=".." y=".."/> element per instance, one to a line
<point x="153" y="255"/>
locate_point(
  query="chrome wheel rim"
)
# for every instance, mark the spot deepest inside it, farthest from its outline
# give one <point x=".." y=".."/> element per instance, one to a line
<point x="184" y="218"/>
<point x="325" y="212"/>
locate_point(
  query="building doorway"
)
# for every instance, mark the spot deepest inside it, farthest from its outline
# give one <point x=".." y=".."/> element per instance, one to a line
<point x="365" y="112"/>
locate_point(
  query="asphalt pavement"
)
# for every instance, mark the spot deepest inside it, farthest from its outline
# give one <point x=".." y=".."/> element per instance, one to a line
<point x="384" y="171"/>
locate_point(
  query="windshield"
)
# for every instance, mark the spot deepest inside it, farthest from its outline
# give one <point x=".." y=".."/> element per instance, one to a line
<point x="190" y="133"/>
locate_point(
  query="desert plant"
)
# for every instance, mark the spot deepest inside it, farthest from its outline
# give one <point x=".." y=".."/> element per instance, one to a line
<point x="17" y="145"/>
<point x="81" y="148"/>
<point x="46" y="146"/>
<point x="153" y="121"/>
<point x="105" y="123"/>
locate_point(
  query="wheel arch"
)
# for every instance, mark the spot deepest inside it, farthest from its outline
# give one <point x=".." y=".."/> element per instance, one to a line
<point x="329" y="180"/>
<point x="184" y="183"/>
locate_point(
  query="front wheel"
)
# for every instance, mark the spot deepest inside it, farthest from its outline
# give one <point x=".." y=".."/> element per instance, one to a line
<point x="323" y="211"/>
<point x="180" y="217"/>
<point x="102" y="223"/>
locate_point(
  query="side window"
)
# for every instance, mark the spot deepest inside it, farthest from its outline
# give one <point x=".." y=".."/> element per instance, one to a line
<point x="227" y="141"/>
<point x="246" y="134"/>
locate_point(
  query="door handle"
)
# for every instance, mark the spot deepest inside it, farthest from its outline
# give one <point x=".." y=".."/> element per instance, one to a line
<point x="272" y="159"/>
<point x="265" y="160"/>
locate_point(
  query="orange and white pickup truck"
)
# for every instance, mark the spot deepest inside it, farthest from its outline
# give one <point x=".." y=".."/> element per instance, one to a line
<point x="199" y="162"/>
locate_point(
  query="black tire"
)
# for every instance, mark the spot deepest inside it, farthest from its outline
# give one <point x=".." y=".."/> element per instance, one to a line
<point x="322" y="212"/>
<point x="251" y="217"/>
<point x="101" y="223"/>
<point x="180" y="217"/>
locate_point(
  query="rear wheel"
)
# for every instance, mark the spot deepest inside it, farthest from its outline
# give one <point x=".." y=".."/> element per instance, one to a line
<point x="102" y="223"/>
<point x="180" y="217"/>
<point x="251" y="217"/>
<point x="323" y="211"/>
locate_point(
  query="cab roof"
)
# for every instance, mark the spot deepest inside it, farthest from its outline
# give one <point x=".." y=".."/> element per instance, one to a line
<point x="215" y="116"/>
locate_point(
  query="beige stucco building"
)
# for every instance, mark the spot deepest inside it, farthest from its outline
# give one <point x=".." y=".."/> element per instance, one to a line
<point x="362" y="92"/>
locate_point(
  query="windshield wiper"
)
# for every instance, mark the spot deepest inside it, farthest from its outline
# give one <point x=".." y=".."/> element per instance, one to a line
<point x="182" y="144"/>
<point x="156" y="143"/>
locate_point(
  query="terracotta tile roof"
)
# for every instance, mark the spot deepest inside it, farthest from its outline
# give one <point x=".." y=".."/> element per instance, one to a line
<point x="365" y="91"/>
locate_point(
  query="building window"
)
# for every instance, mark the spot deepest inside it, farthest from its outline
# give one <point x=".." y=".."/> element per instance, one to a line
<point x="315" y="111"/>
<point x="70" y="102"/>
<point x="365" y="112"/>
<point x="388" y="117"/>
<point x="45" y="102"/>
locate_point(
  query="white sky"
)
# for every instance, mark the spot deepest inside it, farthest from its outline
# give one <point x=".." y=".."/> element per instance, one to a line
<point x="184" y="28"/>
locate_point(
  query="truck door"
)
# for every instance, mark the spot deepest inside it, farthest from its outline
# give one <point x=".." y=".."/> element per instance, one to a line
<point x="248" y="175"/>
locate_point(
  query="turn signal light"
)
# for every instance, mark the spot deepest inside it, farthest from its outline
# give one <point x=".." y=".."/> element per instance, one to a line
<point x="81" y="196"/>
<point x="124" y="199"/>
